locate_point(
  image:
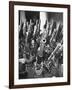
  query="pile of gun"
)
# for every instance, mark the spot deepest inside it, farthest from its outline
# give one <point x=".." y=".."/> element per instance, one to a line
<point x="41" y="46"/>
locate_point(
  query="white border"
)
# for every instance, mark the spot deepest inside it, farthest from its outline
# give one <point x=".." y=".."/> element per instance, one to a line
<point x="43" y="80"/>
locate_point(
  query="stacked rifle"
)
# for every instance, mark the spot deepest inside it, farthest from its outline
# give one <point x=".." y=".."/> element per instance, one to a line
<point x="46" y="47"/>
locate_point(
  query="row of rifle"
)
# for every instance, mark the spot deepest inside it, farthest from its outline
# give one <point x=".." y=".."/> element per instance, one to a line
<point x="42" y="45"/>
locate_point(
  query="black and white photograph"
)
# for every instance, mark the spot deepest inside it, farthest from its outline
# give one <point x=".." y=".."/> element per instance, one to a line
<point x="39" y="50"/>
<point x="40" y="44"/>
